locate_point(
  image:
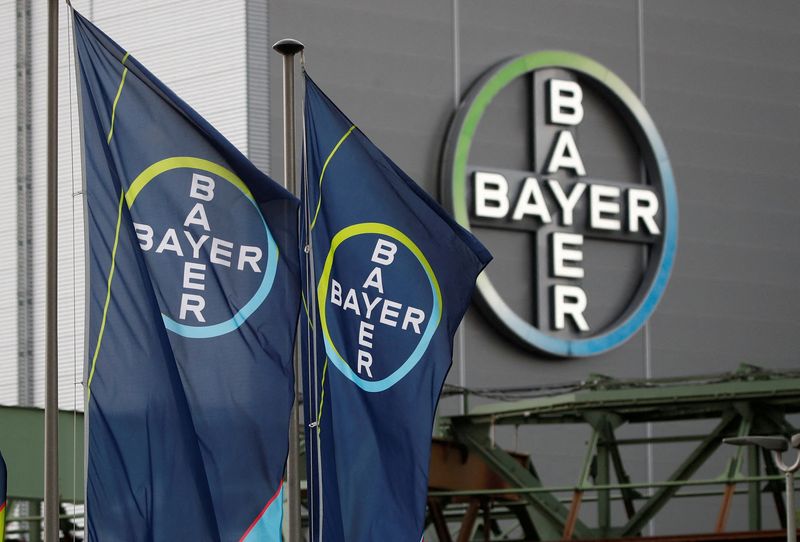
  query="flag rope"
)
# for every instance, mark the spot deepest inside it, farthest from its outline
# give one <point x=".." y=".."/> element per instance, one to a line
<point x="75" y="380"/>
<point x="310" y="448"/>
<point x="311" y="284"/>
<point x="305" y="307"/>
<point x="322" y="396"/>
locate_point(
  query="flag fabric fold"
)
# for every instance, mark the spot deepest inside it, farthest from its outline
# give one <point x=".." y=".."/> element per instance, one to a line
<point x="193" y="297"/>
<point x="388" y="278"/>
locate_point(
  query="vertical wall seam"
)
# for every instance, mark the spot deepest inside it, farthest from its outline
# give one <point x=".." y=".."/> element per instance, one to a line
<point x="648" y="365"/>
<point x="25" y="369"/>
<point x="257" y="71"/>
<point x="461" y="331"/>
<point x="456" y="56"/>
<point x="247" y="81"/>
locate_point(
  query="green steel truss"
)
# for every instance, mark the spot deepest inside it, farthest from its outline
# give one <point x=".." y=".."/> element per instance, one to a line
<point x="22" y="444"/>
<point x="748" y="401"/>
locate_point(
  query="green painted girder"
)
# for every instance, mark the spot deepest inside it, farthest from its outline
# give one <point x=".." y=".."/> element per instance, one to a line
<point x="664" y="402"/>
<point x="688" y="467"/>
<point x="548" y="514"/>
<point x="22" y="445"/>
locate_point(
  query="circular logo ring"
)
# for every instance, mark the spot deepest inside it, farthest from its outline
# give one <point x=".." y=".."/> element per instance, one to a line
<point x="188" y="162"/>
<point x="459" y="141"/>
<point x="430" y="328"/>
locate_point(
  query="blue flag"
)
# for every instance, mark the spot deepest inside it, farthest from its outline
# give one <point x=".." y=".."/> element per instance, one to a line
<point x="3" y="496"/>
<point x="392" y="276"/>
<point x="192" y="310"/>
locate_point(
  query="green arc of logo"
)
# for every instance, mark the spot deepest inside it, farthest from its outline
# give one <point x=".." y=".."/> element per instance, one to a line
<point x="258" y="298"/>
<point x="430" y="328"/>
<point x="454" y="194"/>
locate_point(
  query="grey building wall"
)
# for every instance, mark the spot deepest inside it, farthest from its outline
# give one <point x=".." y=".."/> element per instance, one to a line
<point x="719" y="79"/>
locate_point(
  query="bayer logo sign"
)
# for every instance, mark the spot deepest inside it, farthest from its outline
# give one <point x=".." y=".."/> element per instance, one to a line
<point x="594" y="229"/>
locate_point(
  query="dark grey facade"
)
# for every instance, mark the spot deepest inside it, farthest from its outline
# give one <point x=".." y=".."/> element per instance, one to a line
<point x="720" y="80"/>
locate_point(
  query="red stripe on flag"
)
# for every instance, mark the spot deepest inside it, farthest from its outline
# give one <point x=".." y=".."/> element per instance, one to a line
<point x="258" y="517"/>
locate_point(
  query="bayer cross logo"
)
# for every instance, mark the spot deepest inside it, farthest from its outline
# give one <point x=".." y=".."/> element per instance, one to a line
<point x="577" y="221"/>
<point x="546" y="201"/>
<point x="380" y="305"/>
<point x="208" y="249"/>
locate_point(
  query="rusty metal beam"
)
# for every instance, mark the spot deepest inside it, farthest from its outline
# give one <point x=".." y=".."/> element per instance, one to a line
<point x="734" y="468"/>
<point x="725" y="508"/>
<point x="436" y="511"/>
<point x="548" y="514"/>
<point x="574" y="509"/>
<point x="468" y="524"/>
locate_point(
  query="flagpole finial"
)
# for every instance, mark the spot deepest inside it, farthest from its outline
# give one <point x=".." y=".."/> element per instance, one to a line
<point x="288" y="47"/>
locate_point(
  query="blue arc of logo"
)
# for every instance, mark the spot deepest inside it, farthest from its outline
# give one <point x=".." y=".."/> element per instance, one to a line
<point x="188" y="162"/>
<point x="215" y="330"/>
<point x="375" y="386"/>
<point x="627" y="103"/>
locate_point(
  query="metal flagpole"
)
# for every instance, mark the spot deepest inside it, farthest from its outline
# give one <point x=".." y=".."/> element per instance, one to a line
<point x="314" y="490"/>
<point x="289" y="48"/>
<point x="51" y="496"/>
<point x="791" y="527"/>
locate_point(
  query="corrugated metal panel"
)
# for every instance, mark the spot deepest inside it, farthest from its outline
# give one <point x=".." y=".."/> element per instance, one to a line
<point x="70" y="227"/>
<point x="198" y="49"/>
<point x="8" y="200"/>
<point x="70" y="324"/>
<point x="39" y="172"/>
<point x="258" y="60"/>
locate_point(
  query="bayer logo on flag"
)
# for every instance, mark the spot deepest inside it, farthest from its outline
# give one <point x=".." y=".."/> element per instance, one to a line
<point x="207" y="247"/>
<point x="380" y="305"/>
